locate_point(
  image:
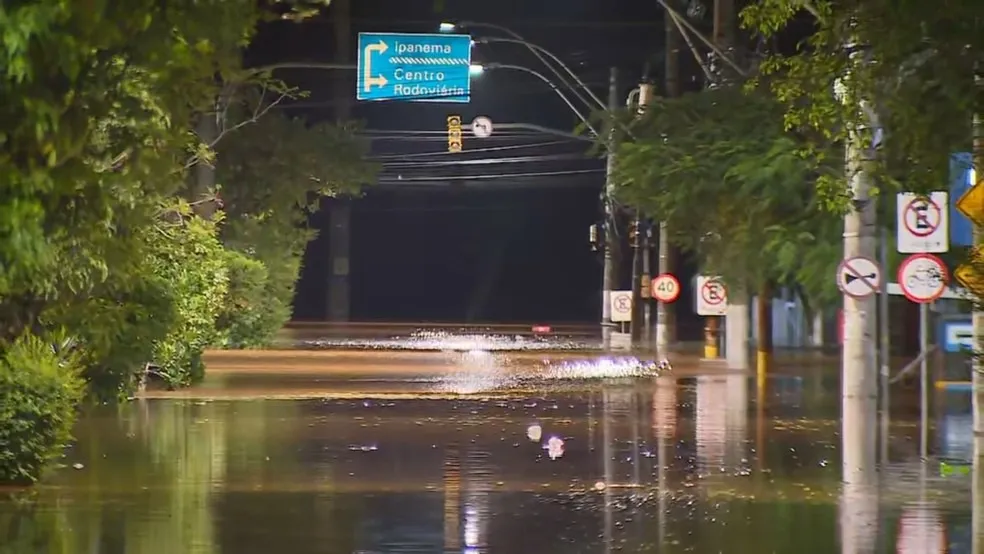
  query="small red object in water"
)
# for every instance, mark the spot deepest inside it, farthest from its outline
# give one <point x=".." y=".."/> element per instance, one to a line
<point x="540" y="329"/>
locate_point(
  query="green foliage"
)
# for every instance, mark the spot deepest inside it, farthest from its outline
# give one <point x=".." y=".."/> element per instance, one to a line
<point x="719" y="168"/>
<point x="911" y="64"/>
<point x="40" y="387"/>
<point x="98" y="100"/>
<point x="248" y="315"/>
<point x="274" y="173"/>
<point x="190" y="258"/>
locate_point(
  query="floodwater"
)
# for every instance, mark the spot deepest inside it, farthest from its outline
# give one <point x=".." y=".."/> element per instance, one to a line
<point x="430" y="461"/>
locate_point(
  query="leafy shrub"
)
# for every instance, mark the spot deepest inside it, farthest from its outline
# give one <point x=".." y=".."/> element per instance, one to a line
<point x="244" y="321"/>
<point x="40" y="387"/>
<point x="192" y="260"/>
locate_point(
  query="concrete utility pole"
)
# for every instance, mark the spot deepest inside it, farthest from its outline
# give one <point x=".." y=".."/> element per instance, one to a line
<point x="610" y="275"/>
<point x="665" y="313"/>
<point x="858" y="365"/>
<point x="340" y="211"/>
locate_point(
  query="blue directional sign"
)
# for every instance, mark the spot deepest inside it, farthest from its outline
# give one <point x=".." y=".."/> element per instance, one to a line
<point x="414" y="67"/>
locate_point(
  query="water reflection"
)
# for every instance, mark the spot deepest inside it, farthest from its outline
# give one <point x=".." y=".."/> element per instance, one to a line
<point x="639" y="465"/>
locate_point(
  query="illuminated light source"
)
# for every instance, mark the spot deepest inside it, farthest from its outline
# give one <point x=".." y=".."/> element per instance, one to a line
<point x="541" y="329"/>
<point x="476" y="69"/>
<point x="446" y="27"/>
<point x="534" y="432"/>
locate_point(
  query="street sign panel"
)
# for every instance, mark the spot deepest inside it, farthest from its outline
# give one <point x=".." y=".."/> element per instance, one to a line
<point x="482" y="127"/>
<point x="859" y="277"/>
<point x="665" y="288"/>
<point x="712" y="296"/>
<point x="969" y="274"/>
<point x="971" y="203"/>
<point x="923" y="278"/>
<point x="414" y="67"/>
<point x="922" y="223"/>
<point x="621" y="306"/>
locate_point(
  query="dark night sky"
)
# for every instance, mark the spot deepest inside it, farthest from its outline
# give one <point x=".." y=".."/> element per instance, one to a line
<point x="509" y="250"/>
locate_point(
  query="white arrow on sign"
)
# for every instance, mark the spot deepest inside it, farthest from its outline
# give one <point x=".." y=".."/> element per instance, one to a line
<point x="859" y="277"/>
<point x="368" y="78"/>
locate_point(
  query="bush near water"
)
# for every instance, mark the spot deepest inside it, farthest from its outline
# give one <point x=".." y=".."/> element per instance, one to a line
<point x="40" y="389"/>
<point x="128" y="229"/>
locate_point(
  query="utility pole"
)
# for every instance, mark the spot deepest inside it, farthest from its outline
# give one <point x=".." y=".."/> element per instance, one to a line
<point x="736" y="319"/>
<point x="638" y="244"/>
<point x="340" y="211"/>
<point x="665" y="313"/>
<point x="859" y="369"/>
<point x="977" y="321"/>
<point x="610" y="275"/>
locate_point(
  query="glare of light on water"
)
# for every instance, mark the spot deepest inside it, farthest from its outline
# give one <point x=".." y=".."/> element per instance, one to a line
<point x="534" y="432"/>
<point x="921" y="530"/>
<point x="449" y="341"/>
<point x="625" y="366"/>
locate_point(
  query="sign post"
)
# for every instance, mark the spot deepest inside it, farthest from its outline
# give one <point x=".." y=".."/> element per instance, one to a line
<point x="414" y="67"/>
<point x="923" y="279"/>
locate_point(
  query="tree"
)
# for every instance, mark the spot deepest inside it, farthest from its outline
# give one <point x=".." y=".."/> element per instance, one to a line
<point x="273" y="174"/>
<point x="718" y="166"/>
<point x="909" y="63"/>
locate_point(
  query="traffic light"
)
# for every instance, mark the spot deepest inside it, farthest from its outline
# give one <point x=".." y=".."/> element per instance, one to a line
<point x="634" y="233"/>
<point x="593" y="237"/>
<point x="454" y="133"/>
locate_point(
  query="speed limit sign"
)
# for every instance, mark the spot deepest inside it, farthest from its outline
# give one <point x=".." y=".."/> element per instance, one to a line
<point x="665" y="288"/>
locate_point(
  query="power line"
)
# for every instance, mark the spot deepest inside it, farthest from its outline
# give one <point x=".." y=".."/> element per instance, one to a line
<point x="473" y="151"/>
<point x="496" y="176"/>
<point x="488" y="161"/>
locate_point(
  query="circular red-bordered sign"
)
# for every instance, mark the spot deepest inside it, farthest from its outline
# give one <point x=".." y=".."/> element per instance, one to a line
<point x="713" y="292"/>
<point x="923" y="278"/>
<point x="922" y="222"/>
<point x="665" y="288"/>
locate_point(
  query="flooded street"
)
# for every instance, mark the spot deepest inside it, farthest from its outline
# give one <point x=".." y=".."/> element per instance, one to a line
<point x="467" y="455"/>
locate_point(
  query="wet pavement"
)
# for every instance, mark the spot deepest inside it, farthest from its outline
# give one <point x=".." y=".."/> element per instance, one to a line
<point x="481" y="452"/>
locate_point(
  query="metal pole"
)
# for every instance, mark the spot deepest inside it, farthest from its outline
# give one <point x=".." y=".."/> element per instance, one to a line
<point x="610" y="276"/>
<point x="977" y="324"/>
<point x="584" y="120"/>
<point x="924" y="381"/>
<point x="635" y="325"/>
<point x="646" y="279"/>
<point x="885" y="356"/>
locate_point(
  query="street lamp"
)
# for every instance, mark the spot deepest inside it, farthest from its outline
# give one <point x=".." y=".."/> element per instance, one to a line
<point x="556" y="60"/>
<point x="537" y="51"/>
<point x="481" y="69"/>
